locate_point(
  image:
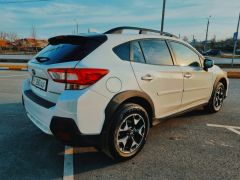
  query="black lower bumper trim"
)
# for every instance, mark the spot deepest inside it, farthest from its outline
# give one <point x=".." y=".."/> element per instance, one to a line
<point x="66" y="130"/>
<point x="40" y="101"/>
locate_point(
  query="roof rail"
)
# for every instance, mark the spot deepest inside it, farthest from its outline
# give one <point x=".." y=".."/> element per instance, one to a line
<point x="119" y="30"/>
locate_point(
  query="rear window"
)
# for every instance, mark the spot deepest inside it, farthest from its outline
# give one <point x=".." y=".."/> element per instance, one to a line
<point x="69" y="48"/>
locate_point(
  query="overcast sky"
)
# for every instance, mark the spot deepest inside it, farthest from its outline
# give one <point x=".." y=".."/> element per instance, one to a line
<point x="54" y="17"/>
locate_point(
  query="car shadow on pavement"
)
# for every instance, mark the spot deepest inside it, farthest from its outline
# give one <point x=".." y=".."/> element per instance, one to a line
<point x="195" y="112"/>
<point x="26" y="152"/>
<point x="184" y="119"/>
<point x="91" y="160"/>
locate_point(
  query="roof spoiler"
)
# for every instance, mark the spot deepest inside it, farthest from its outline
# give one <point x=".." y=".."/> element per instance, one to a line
<point x="76" y="39"/>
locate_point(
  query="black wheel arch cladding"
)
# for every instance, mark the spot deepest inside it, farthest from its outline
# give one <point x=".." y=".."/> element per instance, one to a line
<point x="221" y="79"/>
<point x="130" y="96"/>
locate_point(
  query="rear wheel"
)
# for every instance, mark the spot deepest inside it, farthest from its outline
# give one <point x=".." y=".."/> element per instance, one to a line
<point x="128" y="132"/>
<point x="216" y="101"/>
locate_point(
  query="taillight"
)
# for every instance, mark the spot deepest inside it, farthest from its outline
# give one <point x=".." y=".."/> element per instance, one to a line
<point x="77" y="78"/>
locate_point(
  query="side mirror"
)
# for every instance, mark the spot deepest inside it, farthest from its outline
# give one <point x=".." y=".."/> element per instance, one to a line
<point x="208" y="63"/>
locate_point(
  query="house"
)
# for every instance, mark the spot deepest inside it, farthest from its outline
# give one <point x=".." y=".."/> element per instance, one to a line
<point x="4" y="43"/>
<point x="30" y="44"/>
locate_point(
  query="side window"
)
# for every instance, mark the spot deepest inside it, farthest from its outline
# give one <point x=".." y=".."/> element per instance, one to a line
<point x="137" y="52"/>
<point x="156" y="52"/>
<point x="123" y="51"/>
<point x="185" y="56"/>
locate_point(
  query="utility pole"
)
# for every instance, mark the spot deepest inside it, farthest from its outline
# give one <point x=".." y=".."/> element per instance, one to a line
<point x="76" y="26"/>
<point x="205" y="44"/>
<point x="193" y="41"/>
<point x="33" y="32"/>
<point x="163" y="15"/>
<point x="235" y="39"/>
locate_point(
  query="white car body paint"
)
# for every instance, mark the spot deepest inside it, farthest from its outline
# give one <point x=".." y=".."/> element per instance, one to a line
<point x="169" y="90"/>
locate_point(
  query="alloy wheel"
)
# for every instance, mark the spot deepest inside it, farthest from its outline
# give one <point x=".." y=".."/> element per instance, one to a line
<point x="131" y="133"/>
<point x="219" y="97"/>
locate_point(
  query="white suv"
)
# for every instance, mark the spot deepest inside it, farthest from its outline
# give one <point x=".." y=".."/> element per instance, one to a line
<point x="107" y="90"/>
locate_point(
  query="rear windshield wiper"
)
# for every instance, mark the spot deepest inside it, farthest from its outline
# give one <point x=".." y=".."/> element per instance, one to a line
<point x="42" y="59"/>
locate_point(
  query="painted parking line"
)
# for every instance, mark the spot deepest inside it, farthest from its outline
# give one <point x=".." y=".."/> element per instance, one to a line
<point x="68" y="173"/>
<point x="223" y="126"/>
<point x="234" y="129"/>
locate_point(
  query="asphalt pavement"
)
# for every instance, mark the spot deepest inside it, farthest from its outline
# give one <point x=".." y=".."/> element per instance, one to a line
<point x="189" y="146"/>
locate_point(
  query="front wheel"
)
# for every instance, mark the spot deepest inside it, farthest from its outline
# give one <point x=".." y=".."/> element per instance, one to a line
<point x="128" y="132"/>
<point x="216" y="101"/>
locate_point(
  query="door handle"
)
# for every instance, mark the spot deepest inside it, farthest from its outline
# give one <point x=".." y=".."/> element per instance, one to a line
<point x="187" y="75"/>
<point x="147" y="77"/>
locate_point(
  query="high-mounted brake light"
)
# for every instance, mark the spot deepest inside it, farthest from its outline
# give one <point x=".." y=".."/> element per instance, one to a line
<point x="77" y="78"/>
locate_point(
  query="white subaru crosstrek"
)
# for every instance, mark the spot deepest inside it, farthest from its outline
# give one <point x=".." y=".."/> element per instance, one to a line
<point x="107" y="90"/>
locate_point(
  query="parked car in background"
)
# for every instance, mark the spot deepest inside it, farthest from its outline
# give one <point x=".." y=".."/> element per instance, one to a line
<point x="237" y="52"/>
<point x="212" y="52"/>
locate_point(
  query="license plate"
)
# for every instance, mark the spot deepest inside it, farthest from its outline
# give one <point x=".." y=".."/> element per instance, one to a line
<point x="39" y="83"/>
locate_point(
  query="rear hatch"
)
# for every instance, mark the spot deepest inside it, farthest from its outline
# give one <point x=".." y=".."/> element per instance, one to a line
<point x="61" y="52"/>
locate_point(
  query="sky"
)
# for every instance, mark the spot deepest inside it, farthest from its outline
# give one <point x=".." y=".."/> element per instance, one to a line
<point x="56" y="17"/>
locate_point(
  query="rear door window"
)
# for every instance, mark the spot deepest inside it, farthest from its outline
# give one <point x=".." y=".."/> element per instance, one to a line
<point x="137" y="52"/>
<point x="156" y="52"/>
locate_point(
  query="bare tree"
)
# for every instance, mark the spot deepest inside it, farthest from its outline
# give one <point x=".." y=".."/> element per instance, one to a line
<point x="12" y="36"/>
<point x="3" y="35"/>
<point x="34" y="36"/>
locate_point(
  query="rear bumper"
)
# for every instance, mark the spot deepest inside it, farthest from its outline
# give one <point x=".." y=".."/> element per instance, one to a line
<point x="36" y="112"/>
<point x="66" y="130"/>
<point x="71" y="119"/>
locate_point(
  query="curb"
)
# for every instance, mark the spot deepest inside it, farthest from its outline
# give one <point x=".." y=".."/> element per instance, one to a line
<point x="233" y="74"/>
<point x="229" y="56"/>
<point x="13" y="67"/>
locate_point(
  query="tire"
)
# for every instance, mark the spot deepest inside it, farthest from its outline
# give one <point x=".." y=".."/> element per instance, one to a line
<point x="216" y="101"/>
<point x="128" y="132"/>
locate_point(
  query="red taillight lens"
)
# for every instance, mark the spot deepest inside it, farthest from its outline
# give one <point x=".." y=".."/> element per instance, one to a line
<point x="82" y="76"/>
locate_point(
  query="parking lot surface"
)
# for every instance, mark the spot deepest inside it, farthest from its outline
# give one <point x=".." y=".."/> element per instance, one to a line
<point x="184" y="147"/>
